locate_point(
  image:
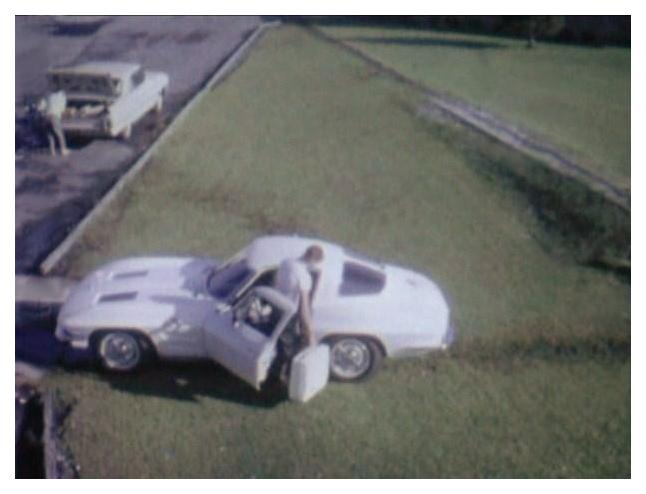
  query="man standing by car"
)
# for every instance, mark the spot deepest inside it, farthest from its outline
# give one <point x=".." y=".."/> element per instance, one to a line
<point x="296" y="280"/>
<point x="52" y="108"/>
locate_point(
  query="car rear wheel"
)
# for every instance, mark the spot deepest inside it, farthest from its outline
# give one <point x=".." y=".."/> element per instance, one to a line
<point x="126" y="133"/>
<point x="121" y="351"/>
<point x="354" y="358"/>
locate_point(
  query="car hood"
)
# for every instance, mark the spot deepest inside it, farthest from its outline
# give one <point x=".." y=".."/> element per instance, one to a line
<point x="143" y="291"/>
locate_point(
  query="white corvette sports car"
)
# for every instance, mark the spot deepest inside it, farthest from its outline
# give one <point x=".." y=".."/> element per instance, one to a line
<point x="185" y="308"/>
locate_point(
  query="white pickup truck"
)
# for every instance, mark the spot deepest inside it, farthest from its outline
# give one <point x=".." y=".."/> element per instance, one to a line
<point x="106" y="99"/>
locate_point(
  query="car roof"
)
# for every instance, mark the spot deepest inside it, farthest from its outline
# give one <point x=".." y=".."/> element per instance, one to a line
<point x="120" y="70"/>
<point x="272" y="250"/>
<point x="269" y="251"/>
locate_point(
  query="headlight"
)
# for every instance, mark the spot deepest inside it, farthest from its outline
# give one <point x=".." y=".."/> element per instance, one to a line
<point x="63" y="333"/>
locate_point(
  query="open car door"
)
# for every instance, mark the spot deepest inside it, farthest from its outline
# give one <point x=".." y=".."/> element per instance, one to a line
<point x="244" y="340"/>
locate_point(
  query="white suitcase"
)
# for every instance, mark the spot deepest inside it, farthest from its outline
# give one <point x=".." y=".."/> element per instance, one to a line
<point x="310" y="372"/>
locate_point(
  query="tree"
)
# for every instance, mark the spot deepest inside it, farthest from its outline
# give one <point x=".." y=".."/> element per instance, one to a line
<point x="538" y="26"/>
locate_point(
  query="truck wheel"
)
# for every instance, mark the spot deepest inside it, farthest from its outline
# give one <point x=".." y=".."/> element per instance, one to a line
<point x="126" y="133"/>
<point x="354" y="358"/>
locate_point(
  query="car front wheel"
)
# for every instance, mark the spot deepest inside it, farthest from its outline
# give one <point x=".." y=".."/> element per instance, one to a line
<point x="354" y="358"/>
<point x="121" y="351"/>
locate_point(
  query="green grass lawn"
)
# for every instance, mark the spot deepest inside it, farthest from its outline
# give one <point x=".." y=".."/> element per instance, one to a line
<point x="306" y="138"/>
<point x="576" y="97"/>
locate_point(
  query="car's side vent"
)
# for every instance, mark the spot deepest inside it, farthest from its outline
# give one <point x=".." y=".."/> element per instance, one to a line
<point x="118" y="297"/>
<point x="130" y="274"/>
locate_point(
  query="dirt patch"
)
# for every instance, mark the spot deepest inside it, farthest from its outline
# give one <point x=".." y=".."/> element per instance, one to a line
<point x="194" y="37"/>
<point x="36" y="238"/>
<point x="144" y="39"/>
<point x="36" y="184"/>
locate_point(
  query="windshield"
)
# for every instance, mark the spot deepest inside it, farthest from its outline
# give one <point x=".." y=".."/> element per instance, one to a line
<point x="225" y="282"/>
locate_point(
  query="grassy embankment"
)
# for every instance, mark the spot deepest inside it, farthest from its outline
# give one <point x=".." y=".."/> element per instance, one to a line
<point x="576" y="97"/>
<point x="306" y="138"/>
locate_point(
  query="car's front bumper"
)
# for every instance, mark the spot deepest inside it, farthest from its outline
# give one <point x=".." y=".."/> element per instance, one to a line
<point x="81" y="342"/>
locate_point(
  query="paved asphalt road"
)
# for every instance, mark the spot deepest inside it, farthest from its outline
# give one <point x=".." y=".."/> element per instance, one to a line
<point x="53" y="194"/>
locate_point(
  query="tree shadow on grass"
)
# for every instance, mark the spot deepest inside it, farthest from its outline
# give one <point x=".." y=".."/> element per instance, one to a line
<point x="379" y="21"/>
<point x="429" y="41"/>
<point x="187" y="381"/>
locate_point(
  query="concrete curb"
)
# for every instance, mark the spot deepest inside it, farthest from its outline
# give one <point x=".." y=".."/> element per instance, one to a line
<point x="227" y="67"/>
<point x="496" y="128"/>
<point x="36" y="289"/>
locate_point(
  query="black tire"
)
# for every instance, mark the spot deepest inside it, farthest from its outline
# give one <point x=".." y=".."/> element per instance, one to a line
<point x="159" y="105"/>
<point x="126" y="133"/>
<point x="369" y="348"/>
<point x="140" y="350"/>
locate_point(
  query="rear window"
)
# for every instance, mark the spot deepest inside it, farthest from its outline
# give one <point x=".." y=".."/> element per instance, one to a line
<point x="360" y="257"/>
<point x="83" y="83"/>
<point x="359" y="279"/>
<point x="137" y="78"/>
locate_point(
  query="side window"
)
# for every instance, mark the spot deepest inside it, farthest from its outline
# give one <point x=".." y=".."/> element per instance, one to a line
<point x="137" y="78"/>
<point x="359" y="279"/>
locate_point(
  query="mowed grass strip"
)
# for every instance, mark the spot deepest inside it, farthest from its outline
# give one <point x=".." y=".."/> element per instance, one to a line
<point x="574" y="96"/>
<point x="306" y="138"/>
<point x="417" y="418"/>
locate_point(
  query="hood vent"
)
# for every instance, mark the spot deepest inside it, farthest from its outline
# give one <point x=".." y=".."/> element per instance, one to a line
<point x="118" y="297"/>
<point x="130" y="274"/>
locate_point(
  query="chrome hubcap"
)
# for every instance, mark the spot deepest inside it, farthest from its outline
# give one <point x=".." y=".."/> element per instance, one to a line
<point x="120" y="351"/>
<point x="350" y="358"/>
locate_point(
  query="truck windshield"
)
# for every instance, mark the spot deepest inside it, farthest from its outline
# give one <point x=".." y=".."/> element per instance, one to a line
<point x="87" y="84"/>
<point x="224" y="282"/>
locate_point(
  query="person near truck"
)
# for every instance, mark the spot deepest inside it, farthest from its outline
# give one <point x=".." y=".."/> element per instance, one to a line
<point x="52" y="108"/>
